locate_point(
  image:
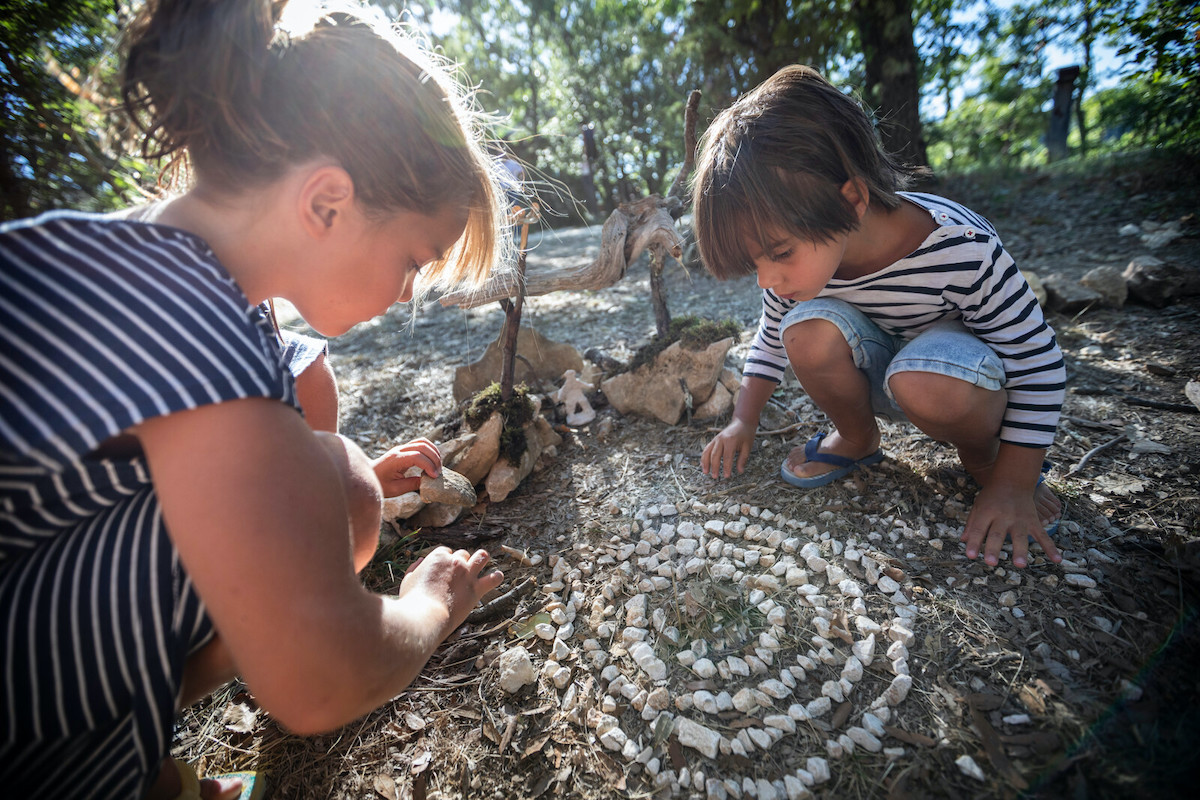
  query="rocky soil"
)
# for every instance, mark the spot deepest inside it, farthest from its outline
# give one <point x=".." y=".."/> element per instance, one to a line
<point x="675" y="636"/>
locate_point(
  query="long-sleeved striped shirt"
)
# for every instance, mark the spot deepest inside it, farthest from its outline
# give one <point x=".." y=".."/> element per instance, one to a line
<point x="961" y="271"/>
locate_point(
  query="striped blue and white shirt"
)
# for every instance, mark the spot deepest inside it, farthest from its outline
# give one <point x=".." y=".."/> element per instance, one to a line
<point x="106" y="323"/>
<point x="962" y="271"/>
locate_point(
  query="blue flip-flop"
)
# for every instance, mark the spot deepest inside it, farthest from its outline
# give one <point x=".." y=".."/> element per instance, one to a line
<point x="844" y="465"/>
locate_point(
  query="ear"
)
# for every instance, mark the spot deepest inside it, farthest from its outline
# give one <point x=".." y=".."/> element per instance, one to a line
<point x="326" y="194"/>
<point x="857" y="195"/>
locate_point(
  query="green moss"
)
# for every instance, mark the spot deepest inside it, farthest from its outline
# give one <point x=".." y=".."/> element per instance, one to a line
<point x="515" y="413"/>
<point x="692" y="332"/>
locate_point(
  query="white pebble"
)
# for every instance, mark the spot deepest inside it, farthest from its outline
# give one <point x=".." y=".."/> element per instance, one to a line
<point x="967" y="766"/>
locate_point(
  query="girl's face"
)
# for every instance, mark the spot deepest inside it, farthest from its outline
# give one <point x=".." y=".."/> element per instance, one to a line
<point x="796" y="269"/>
<point x="377" y="266"/>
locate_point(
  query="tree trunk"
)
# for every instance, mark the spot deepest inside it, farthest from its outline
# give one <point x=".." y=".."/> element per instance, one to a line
<point x="893" y="75"/>
<point x="1060" y="115"/>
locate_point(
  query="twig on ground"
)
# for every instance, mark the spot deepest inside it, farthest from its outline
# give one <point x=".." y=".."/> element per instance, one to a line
<point x="502" y="604"/>
<point x="1087" y="456"/>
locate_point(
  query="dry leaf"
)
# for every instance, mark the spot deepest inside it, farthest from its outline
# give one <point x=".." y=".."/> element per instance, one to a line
<point x="239" y="718"/>
<point x="421" y="762"/>
<point x="1121" y="485"/>
<point x="385" y="787"/>
<point x="414" y="722"/>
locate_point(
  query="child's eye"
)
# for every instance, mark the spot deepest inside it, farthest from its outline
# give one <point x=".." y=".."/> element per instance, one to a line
<point x="780" y="256"/>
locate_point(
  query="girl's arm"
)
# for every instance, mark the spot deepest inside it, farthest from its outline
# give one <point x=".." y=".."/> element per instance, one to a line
<point x="258" y="510"/>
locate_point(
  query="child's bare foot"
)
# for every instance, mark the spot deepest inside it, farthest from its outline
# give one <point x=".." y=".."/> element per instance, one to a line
<point x="834" y="444"/>
<point x="1049" y="507"/>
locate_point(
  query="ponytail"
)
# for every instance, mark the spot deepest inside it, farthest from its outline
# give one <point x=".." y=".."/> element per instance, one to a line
<point x="194" y="75"/>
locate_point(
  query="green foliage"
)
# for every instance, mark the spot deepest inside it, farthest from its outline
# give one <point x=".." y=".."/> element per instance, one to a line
<point x="58" y="146"/>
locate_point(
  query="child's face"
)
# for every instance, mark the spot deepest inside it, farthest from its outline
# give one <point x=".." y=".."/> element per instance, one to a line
<point x="797" y="269"/>
<point x="378" y="266"/>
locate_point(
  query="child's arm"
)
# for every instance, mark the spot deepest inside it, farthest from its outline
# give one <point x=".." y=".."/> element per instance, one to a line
<point x="258" y="510"/>
<point x="734" y="442"/>
<point x="1005" y="507"/>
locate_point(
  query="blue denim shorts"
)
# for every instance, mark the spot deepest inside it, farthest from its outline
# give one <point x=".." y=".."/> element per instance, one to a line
<point x="945" y="348"/>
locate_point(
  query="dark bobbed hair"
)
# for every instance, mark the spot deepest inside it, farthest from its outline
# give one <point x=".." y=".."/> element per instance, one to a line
<point x="217" y="83"/>
<point x="775" y="162"/>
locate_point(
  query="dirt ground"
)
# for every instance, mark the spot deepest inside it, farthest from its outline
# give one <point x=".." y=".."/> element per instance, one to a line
<point x="1074" y="680"/>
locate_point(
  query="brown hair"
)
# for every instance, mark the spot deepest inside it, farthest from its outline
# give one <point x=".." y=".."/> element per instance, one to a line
<point x="215" y="81"/>
<point x="776" y="160"/>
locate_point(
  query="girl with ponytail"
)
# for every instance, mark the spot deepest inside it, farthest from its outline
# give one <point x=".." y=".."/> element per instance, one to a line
<point x="168" y="519"/>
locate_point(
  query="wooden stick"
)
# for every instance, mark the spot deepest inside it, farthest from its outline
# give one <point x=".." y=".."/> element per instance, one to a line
<point x="1092" y="452"/>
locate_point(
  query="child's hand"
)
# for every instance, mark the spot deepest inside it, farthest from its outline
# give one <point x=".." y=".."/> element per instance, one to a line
<point x="999" y="512"/>
<point x="455" y="580"/>
<point x="730" y="445"/>
<point x="391" y="467"/>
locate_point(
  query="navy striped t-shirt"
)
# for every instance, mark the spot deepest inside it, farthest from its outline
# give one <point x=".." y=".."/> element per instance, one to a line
<point x="961" y="271"/>
<point x="107" y="323"/>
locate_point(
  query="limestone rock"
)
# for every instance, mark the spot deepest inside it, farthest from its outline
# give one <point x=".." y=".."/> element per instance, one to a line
<point x="516" y="669"/>
<point x="402" y="506"/>
<point x="450" y="488"/>
<point x="1109" y="282"/>
<point x="541" y="360"/>
<point x="436" y="515"/>
<point x="1158" y="284"/>
<point x="473" y="454"/>
<point x="1035" y="283"/>
<point x="655" y="389"/>
<point x="718" y="404"/>
<point x="698" y="737"/>
<point x="1068" y="296"/>
<point x="504" y="476"/>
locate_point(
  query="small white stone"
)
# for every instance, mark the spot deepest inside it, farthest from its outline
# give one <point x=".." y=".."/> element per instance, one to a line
<point x="818" y="768"/>
<point x="900" y="633"/>
<point x="967" y="766"/>
<point x="614" y="739"/>
<point x="897" y="690"/>
<point x="761" y="738"/>
<point x="774" y="688"/>
<point x="516" y="669"/>
<point x="745" y="701"/>
<point x="1017" y="719"/>
<point x="867" y="625"/>
<point x="781" y="722"/>
<point x="685" y="657"/>
<point x="864" y="650"/>
<point x="873" y="724"/>
<point x="853" y="669"/>
<point x="864" y="739"/>
<point x="818" y="707"/>
<point x="1079" y="581"/>
<point x="738" y="666"/>
<point x="698" y="737"/>
<point x="887" y="585"/>
<point x="703" y="667"/>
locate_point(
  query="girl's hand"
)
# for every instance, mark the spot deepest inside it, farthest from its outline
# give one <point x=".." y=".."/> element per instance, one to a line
<point x="390" y="468"/>
<point x="730" y="445"/>
<point x="454" y="580"/>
